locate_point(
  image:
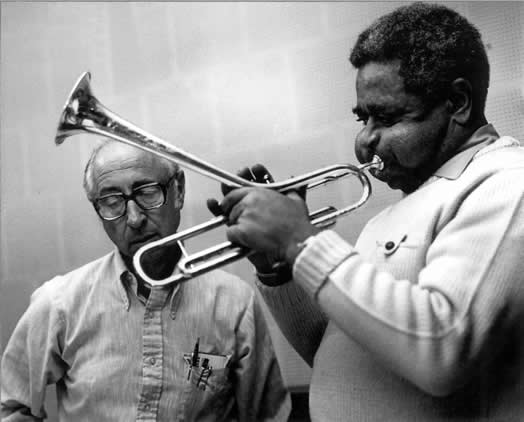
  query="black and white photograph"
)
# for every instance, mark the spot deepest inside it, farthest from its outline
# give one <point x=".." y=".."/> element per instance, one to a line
<point x="262" y="211"/>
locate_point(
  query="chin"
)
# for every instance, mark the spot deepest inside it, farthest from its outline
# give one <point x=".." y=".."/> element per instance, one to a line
<point x="132" y="250"/>
<point x="394" y="184"/>
<point x="405" y="187"/>
<point x="410" y="188"/>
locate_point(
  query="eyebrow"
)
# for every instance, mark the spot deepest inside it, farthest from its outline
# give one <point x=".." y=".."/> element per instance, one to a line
<point x="136" y="184"/>
<point x="357" y="110"/>
<point x="375" y="109"/>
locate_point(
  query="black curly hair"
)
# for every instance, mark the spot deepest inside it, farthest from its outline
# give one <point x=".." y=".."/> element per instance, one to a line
<point x="435" y="45"/>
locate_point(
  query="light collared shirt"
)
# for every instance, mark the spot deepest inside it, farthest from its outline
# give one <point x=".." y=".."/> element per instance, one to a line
<point x="115" y="356"/>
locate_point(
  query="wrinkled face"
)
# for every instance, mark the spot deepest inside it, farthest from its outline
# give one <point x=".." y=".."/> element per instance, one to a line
<point x="120" y="168"/>
<point x="405" y="135"/>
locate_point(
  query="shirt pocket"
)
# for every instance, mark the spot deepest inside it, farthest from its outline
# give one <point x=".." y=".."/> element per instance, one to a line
<point x="208" y="393"/>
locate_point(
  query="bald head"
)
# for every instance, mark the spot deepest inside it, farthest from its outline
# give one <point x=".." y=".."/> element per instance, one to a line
<point x="108" y="153"/>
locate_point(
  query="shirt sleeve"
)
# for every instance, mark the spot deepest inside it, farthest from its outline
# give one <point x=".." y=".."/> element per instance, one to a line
<point x="298" y="317"/>
<point x="436" y="329"/>
<point x="260" y="391"/>
<point x="31" y="361"/>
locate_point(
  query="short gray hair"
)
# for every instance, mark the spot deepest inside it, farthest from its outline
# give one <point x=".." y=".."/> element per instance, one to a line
<point x="172" y="167"/>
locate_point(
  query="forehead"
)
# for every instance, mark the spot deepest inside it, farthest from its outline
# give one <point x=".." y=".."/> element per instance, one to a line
<point x="120" y="166"/>
<point x="380" y="83"/>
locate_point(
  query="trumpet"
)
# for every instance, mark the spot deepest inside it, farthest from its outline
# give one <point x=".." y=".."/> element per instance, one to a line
<point x="83" y="113"/>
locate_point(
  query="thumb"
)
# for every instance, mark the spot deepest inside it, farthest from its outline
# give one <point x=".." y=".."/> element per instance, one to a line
<point x="296" y="197"/>
<point x="301" y="191"/>
<point x="214" y="207"/>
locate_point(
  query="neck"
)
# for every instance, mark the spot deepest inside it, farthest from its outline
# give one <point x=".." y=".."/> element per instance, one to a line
<point x="476" y="123"/>
<point x="458" y="136"/>
<point x="454" y="136"/>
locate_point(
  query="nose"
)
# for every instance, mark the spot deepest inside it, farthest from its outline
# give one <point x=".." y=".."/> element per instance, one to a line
<point x="366" y="143"/>
<point x="135" y="215"/>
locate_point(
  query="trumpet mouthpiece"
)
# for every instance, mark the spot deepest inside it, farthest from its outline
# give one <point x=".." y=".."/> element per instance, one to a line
<point x="377" y="163"/>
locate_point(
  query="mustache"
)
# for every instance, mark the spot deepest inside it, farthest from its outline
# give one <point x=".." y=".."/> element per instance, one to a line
<point x="144" y="238"/>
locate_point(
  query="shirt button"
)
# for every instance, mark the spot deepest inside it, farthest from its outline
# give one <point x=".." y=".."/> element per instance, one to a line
<point x="389" y="245"/>
<point x="152" y="361"/>
<point x="147" y="406"/>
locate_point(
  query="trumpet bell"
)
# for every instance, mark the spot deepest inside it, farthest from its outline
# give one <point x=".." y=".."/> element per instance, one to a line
<point x="71" y="120"/>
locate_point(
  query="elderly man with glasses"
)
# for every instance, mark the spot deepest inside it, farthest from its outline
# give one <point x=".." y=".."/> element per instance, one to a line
<point x="120" y="350"/>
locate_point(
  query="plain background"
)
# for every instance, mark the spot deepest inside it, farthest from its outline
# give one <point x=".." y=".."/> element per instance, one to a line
<point x="233" y="83"/>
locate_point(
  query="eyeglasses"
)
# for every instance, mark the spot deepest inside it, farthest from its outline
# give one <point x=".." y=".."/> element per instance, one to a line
<point x="147" y="197"/>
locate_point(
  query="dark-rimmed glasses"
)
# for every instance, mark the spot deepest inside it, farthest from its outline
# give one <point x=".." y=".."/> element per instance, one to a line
<point x="147" y="197"/>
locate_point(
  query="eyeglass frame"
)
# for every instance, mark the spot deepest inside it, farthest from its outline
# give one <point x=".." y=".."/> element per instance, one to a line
<point x="132" y="196"/>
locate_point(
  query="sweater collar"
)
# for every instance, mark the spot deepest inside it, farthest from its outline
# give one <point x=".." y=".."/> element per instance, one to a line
<point x="456" y="165"/>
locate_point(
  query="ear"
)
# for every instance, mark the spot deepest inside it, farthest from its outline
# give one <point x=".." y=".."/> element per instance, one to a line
<point x="179" y="190"/>
<point x="459" y="103"/>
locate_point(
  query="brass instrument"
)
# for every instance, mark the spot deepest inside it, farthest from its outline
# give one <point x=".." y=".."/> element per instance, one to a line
<point x="83" y="113"/>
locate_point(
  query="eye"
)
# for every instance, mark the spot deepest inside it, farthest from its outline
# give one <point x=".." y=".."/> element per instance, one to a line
<point x="111" y="201"/>
<point x="362" y="118"/>
<point x="386" y="119"/>
<point x="149" y="195"/>
<point x="148" y="191"/>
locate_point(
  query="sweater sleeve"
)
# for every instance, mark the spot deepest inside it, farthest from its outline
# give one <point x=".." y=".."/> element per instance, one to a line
<point x="260" y="390"/>
<point x="31" y="360"/>
<point x="298" y="317"/>
<point x="433" y="330"/>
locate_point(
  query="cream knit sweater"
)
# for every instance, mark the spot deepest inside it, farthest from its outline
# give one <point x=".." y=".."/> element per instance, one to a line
<point x="423" y="319"/>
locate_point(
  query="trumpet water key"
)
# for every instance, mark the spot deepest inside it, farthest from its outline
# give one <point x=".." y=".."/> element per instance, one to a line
<point x="83" y="113"/>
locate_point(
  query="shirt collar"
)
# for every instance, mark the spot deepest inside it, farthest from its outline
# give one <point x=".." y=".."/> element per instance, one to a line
<point x="119" y="275"/>
<point x="127" y="283"/>
<point x="456" y="165"/>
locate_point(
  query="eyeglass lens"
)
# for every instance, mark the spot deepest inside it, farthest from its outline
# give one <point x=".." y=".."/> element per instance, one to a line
<point x="146" y="197"/>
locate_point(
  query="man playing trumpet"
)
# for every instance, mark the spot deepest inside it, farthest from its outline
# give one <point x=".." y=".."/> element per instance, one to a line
<point x="422" y="319"/>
